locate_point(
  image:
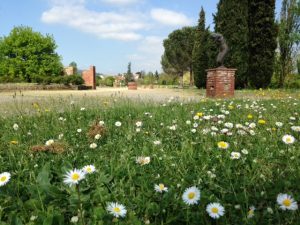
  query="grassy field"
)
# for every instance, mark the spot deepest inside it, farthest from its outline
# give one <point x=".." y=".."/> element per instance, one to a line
<point x="146" y="155"/>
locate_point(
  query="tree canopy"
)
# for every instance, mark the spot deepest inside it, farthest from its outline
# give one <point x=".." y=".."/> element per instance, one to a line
<point x="26" y="54"/>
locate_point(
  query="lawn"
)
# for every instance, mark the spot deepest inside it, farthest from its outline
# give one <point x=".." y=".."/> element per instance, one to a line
<point x="163" y="162"/>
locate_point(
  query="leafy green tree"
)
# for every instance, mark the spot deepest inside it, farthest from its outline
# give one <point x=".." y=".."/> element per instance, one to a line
<point x="27" y="54"/>
<point x="288" y="37"/>
<point x="231" y="20"/>
<point x="177" y="56"/>
<point x="156" y="75"/>
<point x="200" y="52"/>
<point x="262" y="42"/>
<point x="74" y="65"/>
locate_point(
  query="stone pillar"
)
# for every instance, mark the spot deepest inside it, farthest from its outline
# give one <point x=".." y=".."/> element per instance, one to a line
<point x="89" y="77"/>
<point x="220" y="82"/>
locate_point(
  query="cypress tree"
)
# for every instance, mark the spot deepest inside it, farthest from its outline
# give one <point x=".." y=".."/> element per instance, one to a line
<point x="262" y="42"/>
<point x="231" y="21"/>
<point x="200" y="54"/>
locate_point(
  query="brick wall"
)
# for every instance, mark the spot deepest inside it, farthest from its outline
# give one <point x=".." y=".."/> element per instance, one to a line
<point x="220" y="82"/>
<point x="89" y="77"/>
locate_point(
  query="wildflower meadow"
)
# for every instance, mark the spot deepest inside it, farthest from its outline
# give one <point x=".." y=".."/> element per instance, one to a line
<point x="123" y="162"/>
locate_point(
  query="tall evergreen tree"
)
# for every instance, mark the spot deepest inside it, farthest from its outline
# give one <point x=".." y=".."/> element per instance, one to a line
<point x="200" y="56"/>
<point x="288" y="38"/>
<point x="231" y="21"/>
<point x="262" y="42"/>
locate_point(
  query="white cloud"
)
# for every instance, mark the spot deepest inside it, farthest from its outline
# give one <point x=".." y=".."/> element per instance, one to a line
<point x="109" y="25"/>
<point x="168" y="17"/>
<point x="148" y="54"/>
<point x="120" y="2"/>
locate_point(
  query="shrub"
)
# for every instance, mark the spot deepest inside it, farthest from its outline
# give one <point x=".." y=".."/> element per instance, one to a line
<point x="76" y="79"/>
<point x="109" y="81"/>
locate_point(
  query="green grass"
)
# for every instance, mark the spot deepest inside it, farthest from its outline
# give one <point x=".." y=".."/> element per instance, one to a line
<point x="183" y="159"/>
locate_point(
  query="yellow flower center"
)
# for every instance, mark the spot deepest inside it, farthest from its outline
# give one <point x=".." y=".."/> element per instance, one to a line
<point x="75" y="176"/>
<point x="215" y="210"/>
<point x="287" y="202"/>
<point x="250" y="116"/>
<point x="222" y="144"/>
<point x="117" y="209"/>
<point x="288" y="139"/>
<point x="200" y="114"/>
<point x="89" y="169"/>
<point x="191" y="195"/>
<point x="3" y="178"/>
<point x="161" y="186"/>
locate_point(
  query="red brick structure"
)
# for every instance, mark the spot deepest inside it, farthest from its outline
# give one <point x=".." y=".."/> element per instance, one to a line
<point x="220" y="82"/>
<point x="89" y="77"/>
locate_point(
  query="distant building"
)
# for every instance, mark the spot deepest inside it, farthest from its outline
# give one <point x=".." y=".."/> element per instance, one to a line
<point x="70" y="70"/>
<point x="119" y="81"/>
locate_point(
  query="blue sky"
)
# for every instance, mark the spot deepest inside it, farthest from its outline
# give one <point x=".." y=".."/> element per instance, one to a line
<point x="106" y="33"/>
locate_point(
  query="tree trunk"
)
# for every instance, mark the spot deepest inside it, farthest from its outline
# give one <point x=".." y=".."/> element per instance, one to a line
<point x="181" y="80"/>
<point x="191" y="77"/>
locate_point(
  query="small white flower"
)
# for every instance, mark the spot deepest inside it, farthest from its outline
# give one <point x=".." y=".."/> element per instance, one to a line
<point x="157" y="142"/>
<point x="89" y="169"/>
<point x="235" y="155"/>
<point x="215" y="210"/>
<point x="118" y="124"/>
<point x="228" y="125"/>
<point x="193" y="130"/>
<point x="138" y="123"/>
<point x="224" y="131"/>
<point x="82" y="109"/>
<point x="196" y="117"/>
<point x="4" y="178"/>
<point x="74" y="219"/>
<point x="15" y="126"/>
<point x="79" y="130"/>
<point x="237" y="206"/>
<point x="49" y="142"/>
<point x="191" y="195"/>
<point x="292" y="118"/>
<point x="250" y="213"/>
<point x="74" y="176"/>
<point x="60" y="136"/>
<point x="288" y="139"/>
<point x="285" y="202"/>
<point x="195" y="125"/>
<point x="97" y="136"/>
<point x="279" y="124"/>
<point x="33" y="218"/>
<point x="101" y="123"/>
<point x="188" y="122"/>
<point x="160" y="188"/>
<point x="93" y="145"/>
<point x="245" y="151"/>
<point x="143" y="160"/>
<point x="138" y="130"/>
<point x="296" y="128"/>
<point x="116" y="209"/>
<point x="172" y="127"/>
<point x="252" y="125"/>
<point x="270" y="210"/>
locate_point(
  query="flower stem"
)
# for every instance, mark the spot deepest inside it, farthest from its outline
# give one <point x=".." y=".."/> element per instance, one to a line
<point x="80" y="205"/>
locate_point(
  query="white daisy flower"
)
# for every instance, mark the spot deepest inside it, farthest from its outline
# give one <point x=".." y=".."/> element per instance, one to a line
<point x="79" y="130"/>
<point x="286" y="202"/>
<point x="160" y="188"/>
<point x="296" y="128"/>
<point x="250" y="213"/>
<point x="74" y="219"/>
<point x="118" y="124"/>
<point x="157" y="142"/>
<point x="228" y="125"/>
<point x="288" y="139"/>
<point x="97" y="136"/>
<point x="279" y="124"/>
<point x="235" y="155"/>
<point x="4" y="178"/>
<point x="93" y="145"/>
<point x="215" y="210"/>
<point x="138" y="123"/>
<point x="49" y="142"/>
<point x="191" y="195"/>
<point x="116" y="209"/>
<point x="74" y="176"/>
<point x="89" y="169"/>
<point x="143" y="160"/>
<point x="15" y="126"/>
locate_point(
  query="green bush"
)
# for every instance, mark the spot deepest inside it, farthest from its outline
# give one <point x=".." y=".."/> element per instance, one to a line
<point x="76" y="79"/>
<point x="109" y="81"/>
